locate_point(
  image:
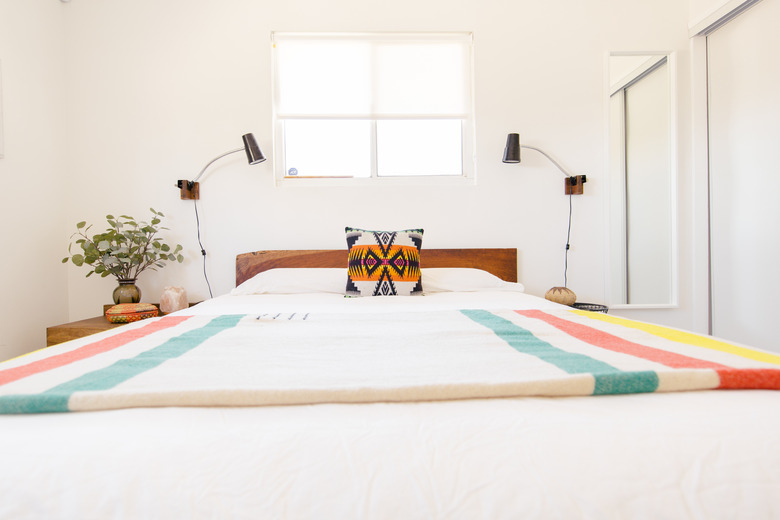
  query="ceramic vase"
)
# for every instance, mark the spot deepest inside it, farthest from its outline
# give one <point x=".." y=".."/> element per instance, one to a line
<point x="127" y="292"/>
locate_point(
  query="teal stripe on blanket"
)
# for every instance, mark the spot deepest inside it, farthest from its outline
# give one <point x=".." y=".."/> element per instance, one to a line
<point x="608" y="379"/>
<point x="56" y="398"/>
<point x="35" y="403"/>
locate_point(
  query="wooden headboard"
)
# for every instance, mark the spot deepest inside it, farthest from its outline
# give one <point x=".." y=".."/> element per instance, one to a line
<point x="500" y="262"/>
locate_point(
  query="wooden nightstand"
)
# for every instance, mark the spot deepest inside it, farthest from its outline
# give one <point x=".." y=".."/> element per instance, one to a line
<point x="81" y="328"/>
<point x="78" y="329"/>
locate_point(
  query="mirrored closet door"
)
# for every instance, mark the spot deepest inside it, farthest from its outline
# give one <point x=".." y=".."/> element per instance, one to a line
<point x="744" y="150"/>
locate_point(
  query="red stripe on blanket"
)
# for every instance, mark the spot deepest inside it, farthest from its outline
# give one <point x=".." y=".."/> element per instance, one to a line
<point x="89" y="350"/>
<point x="611" y="342"/>
<point x="730" y="377"/>
<point x="750" y="378"/>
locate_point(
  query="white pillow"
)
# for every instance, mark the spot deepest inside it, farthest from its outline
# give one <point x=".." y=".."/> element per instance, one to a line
<point x="462" y="279"/>
<point x="334" y="280"/>
<point x="295" y="281"/>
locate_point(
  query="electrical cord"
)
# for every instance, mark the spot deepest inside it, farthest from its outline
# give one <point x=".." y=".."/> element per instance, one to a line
<point x="566" y="257"/>
<point x="202" y="250"/>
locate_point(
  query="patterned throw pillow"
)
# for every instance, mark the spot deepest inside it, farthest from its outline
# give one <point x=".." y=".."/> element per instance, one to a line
<point x="384" y="263"/>
<point x="128" y="312"/>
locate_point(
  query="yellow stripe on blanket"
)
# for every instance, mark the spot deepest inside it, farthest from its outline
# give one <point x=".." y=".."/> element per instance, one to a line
<point x="690" y="338"/>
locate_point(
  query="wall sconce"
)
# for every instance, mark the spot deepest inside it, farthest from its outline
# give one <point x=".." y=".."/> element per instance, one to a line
<point x="573" y="186"/>
<point x="573" y="183"/>
<point x="190" y="190"/>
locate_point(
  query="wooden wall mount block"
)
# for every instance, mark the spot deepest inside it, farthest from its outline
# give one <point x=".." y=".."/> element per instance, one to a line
<point x="574" y="185"/>
<point x="190" y="194"/>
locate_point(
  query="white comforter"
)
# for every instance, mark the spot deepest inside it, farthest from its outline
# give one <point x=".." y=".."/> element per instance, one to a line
<point x="709" y="454"/>
<point x="331" y="302"/>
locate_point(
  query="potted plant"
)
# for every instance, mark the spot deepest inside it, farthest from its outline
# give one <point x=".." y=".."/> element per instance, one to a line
<point x="125" y="250"/>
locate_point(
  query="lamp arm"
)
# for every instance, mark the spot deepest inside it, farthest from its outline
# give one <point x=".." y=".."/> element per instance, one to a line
<point x="548" y="157"/>
<point x="215" y="159"/>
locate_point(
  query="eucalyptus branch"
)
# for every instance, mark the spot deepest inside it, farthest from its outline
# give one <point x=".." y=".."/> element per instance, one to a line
<point x="126" y="249"/>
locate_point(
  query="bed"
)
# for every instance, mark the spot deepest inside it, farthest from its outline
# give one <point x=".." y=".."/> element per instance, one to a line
<point x="284" y="399"/>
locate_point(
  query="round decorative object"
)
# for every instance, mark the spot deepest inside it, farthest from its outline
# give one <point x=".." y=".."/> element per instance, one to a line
<point x="130" y="312"/>
<point x="127" y="292"/>
<point x="561" y="295"/>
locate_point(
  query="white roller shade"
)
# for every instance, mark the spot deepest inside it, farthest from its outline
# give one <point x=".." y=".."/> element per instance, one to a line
<point x="373" y="76"/>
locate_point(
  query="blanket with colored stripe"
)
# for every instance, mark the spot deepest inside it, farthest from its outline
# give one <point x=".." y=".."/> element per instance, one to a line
<point x="284" y="359"/>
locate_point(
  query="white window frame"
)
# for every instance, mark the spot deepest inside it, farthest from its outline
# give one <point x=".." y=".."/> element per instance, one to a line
<point x="468" y="145"/>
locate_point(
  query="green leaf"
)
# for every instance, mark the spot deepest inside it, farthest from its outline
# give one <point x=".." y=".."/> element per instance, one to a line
<point x="126" y="248"/>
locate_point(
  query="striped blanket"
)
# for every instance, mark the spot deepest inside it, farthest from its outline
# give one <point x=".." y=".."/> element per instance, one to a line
<point x="284" y="359"/>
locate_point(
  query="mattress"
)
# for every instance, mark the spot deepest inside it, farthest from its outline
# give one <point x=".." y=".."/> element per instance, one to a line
<point x="710" y="453"/>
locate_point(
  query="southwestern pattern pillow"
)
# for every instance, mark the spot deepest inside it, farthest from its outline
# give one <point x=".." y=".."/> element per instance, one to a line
<point x="384" y="263"/>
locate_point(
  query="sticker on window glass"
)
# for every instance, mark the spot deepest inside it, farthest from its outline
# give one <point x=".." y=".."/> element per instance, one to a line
<point x="292" y="172"/>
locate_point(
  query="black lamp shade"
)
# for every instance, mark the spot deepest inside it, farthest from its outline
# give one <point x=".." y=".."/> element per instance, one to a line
<point x="512" y="150"/>
<point x="253" y="152"/>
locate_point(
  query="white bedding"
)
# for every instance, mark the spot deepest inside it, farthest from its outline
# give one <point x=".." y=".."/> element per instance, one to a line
<point x="707" y="454"/>
<point x="331" y="302"/>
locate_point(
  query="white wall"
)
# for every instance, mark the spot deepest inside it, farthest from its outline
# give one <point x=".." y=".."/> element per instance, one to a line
<point x="33" y="174"/>
<point x="155" y="92"/>
<point x="154" y="89"/>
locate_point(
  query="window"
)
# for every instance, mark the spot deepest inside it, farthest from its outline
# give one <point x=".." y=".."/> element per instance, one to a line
<point x="373" y="107"/>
